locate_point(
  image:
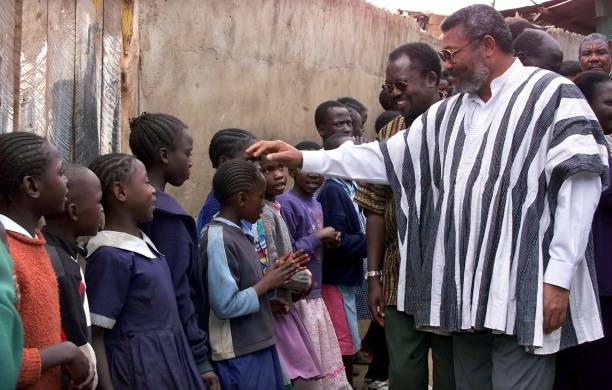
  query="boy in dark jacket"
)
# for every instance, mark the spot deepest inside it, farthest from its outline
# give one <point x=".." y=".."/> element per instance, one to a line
<point x="81" y="217"/>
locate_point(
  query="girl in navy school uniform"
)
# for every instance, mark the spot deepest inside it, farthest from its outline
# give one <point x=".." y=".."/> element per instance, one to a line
<point x="164" y="145"/>
<point x="137" y="333"/>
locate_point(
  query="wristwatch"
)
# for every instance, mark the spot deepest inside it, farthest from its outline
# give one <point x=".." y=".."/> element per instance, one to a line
<point x="371" y="274"/>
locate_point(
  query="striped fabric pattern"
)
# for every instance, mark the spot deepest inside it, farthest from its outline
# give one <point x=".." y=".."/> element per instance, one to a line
<point x="475" y="209"/>
<point x="378" y="198"/>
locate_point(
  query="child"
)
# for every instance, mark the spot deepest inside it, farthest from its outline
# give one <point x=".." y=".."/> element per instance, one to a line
<point x="137" y="333"/>
<point x="239" y="316"/>
<point x="225" y="145"/>
<point x="304" y="218"/>
<point x="79" y="218"/>
<point x="297" y="354"/>
<point x="164" y="145"/>
<point x="32" y="185"/>
<point x="343" y="265"/>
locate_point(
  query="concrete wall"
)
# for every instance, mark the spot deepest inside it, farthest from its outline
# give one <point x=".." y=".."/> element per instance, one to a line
<point x="263" y="65"/>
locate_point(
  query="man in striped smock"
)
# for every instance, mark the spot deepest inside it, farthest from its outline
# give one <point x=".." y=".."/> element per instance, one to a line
<point x="495" y="190"/>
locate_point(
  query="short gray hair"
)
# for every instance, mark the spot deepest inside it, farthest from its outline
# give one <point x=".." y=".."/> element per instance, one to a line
<point x="591" y="38"/>
<point x="479" y="20"/>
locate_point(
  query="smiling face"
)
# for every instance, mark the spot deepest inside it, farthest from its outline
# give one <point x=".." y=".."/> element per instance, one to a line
<point x="179" y="159"/>
<point x="139" y="193"/>
<point x="595" y="55"/>
<point x="416" y="97"/>
<point x="306" y="183"/>
<point x="467" y="68"/>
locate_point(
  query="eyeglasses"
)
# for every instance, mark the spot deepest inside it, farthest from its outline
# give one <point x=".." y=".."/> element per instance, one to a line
<point x="399" y="84"/>
<point x="449" y="55"/>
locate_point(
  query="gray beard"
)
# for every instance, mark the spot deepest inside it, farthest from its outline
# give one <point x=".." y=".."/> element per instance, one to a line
<point x="474" y="80"/>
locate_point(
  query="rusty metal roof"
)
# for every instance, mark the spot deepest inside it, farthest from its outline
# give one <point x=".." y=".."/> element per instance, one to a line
<point x="572" y="15"/>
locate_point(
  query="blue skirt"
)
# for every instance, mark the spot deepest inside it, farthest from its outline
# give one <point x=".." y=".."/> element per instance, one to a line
<point x="260" y="370"/>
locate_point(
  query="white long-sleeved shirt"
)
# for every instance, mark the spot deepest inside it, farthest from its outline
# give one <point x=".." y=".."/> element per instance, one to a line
<point x="494" y="199"/>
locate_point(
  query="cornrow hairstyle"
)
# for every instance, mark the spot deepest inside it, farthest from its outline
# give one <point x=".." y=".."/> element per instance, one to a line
<point x="112" y="168"/>
<point x="353" y="103"/>
<point x="229" y="143"/>
<point x="322" y="114"/>
<point x="235" y="176"/>
<point x="21" y="154"/>
<point x="151" y="132"/>
<point x="308" y="145"/>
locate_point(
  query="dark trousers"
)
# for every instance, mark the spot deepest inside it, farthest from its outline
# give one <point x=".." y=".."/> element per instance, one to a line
<point x="409" y="354"/>
<point x="485" y="361"/>
<point x="375" y="343"/>
<point x="586" y="366"/>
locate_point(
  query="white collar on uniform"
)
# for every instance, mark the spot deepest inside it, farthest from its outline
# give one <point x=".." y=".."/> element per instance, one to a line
<point x="13" y="226"/>
<point x="143" y="246"/>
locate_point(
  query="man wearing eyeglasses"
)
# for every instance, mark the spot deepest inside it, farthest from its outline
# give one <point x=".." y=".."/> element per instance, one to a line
<point x="412" y="77"/>
<point x="495" y="190"/>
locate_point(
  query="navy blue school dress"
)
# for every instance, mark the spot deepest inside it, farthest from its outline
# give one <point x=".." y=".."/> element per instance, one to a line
<point x="131" y="295"/>
<point x="173" y="233"/>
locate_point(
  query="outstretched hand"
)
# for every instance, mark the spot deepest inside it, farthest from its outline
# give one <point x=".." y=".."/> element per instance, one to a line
<point x="277" y="151"/>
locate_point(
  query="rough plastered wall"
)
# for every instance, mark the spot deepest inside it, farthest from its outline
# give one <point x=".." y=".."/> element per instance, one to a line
<point x="262" y="65"/>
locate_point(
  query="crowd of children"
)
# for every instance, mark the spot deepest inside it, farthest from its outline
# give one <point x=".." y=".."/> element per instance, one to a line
<point x="118" y="287"/>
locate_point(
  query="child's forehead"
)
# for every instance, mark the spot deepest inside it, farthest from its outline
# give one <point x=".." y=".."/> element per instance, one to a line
<point x="264" y="162"/>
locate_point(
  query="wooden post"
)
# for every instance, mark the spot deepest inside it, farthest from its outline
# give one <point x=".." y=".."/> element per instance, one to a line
<point x="130" y="57"/>
<point x="111" y="77"/>
<point x="7" y="64"/>
<point x="31" y="88"/>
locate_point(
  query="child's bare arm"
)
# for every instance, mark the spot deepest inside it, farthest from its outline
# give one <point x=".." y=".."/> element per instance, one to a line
<point x="97" y="336"/>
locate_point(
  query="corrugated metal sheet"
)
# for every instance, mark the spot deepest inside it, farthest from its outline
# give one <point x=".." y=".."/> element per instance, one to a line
<point x="7" y="61"/>
<point x="67" y="82"/>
